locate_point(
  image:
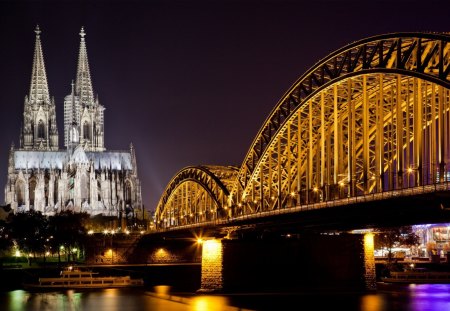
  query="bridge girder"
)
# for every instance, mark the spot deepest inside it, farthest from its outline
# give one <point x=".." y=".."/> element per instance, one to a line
<point x="196" y="194"/>
<point x="370" y="117"/>
<point x="414" y="55"/>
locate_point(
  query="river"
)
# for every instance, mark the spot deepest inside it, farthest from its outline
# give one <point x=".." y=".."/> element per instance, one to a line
<point x="425" y="297"/>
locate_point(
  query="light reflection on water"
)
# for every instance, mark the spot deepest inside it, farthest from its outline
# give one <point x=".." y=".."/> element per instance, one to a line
<point x="435" y="297"/>
<point x="424" y="297"/>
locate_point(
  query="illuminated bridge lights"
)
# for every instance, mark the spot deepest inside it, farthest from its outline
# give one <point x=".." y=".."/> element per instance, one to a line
<point x="369" y="120"/>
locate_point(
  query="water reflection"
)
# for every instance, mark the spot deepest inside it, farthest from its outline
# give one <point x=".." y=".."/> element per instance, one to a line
<point x="372" y="302"/>
<point x="209" y="303"/>
<point x="19" y="300"/>
<point x="430" y="297"/>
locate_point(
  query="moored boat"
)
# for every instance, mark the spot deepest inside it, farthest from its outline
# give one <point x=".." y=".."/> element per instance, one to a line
<point x="74" y="277"/>
<point x="418" y="277"/>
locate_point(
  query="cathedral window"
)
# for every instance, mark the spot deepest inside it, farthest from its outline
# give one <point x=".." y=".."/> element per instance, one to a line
<point x="20" y="190"/>
<point x="127" y="192"/>
<point x="41" y="130"/>
<point x="32" y="186"/>
<point x="86" y="131"/>
<point x="84" y="187"/>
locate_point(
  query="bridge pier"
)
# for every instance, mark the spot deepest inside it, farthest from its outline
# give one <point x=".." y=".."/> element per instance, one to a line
<point x="212" y="266"/>
<point x="298" y="262"/>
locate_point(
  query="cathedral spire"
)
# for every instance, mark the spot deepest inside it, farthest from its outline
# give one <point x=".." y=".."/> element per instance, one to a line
<point x="84" y="84"/>
<point x="39" y="87"/>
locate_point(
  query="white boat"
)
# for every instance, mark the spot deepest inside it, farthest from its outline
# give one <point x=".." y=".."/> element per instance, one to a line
<point x="418" y="277"/>
<point x="73" y="277"/>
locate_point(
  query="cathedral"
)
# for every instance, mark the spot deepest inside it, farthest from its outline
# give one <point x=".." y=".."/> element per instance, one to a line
<point x="83" y="176"/>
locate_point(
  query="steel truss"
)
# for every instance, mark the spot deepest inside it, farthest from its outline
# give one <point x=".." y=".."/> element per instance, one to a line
<point x="371" y="117"/>
<point x="196" y="194"/>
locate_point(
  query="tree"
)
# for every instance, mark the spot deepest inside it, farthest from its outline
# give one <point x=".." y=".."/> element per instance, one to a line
<point x="29" y="231"/>
<point x="389" y="238"/>
<point x="68" y="230"/>
<point x="5" y="237"/>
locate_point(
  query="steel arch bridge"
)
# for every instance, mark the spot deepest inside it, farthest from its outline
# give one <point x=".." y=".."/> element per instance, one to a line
<point x="370" y="118"/>
<point x="196" y="194"/>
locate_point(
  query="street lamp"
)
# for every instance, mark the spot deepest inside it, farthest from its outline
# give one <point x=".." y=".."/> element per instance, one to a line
<point x="319" y="193"/>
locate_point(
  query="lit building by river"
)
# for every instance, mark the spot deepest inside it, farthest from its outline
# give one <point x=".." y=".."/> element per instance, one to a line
<point x="83" y="177"/>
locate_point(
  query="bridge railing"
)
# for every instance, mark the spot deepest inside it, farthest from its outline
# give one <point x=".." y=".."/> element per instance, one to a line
<point x="444" y="186"/>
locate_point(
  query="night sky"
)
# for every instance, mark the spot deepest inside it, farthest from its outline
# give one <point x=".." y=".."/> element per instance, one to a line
<point x="187" y="82"/>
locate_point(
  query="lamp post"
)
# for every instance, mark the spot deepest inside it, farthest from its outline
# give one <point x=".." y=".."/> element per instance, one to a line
<point x="319" y="194"/>
<point x="409" y="171"/>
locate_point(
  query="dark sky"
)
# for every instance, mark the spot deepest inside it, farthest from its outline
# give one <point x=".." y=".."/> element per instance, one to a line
<point x="188" y="82"/>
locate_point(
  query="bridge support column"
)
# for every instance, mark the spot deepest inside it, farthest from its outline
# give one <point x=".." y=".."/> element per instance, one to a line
<point x="212" y="266"/>
<point x="369" y="262"/>
<point x="300" y="262"/>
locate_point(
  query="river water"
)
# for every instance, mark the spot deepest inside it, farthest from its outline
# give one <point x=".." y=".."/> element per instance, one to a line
<point x="429" y="297"/>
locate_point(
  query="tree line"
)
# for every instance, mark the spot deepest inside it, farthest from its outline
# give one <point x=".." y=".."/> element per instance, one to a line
<point x="35" y="235"/>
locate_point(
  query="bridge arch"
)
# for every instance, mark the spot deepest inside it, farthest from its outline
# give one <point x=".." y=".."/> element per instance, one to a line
<point x="369" y="117"/>
<point x="196" y="194"/>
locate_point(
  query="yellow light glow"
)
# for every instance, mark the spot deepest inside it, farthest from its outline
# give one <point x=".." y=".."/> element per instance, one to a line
<point x="369" y="261"/>
<point x="368" y="241"/>
<point x="315" y="189"/>
<point x="207" y="303"/>
<point x="47" y="253"/>
<point x="127" y="232"/>
<point x="212" y="248"/>
<point x="410" y="170"/>
<point x="212" y="265"/>
<point x="90" y="232"/>
<point x="162" y="255"/>
<point x="162" y="289"/>
<point x="292" y="194"/>
<point x="199" y="240"/>
<point x="17" y="253"/>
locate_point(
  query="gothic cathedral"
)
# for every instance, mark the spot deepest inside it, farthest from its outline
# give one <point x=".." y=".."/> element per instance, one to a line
<point x="83" y="177"/>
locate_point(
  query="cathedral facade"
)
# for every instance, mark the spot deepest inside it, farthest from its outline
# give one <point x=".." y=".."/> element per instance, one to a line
<point x="83" y="176"/>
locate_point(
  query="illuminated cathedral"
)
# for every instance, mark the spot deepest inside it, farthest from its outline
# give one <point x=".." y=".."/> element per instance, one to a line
<point x="82" y="177"/>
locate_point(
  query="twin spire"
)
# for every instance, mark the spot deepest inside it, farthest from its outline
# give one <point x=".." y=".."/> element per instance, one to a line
<point x="39" y="131"/>
<point x="39" y="92"/>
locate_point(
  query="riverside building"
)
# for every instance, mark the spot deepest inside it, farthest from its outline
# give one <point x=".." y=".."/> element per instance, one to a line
<point x="83" y="176"/>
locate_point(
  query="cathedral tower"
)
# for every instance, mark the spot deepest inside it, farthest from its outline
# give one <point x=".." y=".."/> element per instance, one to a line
<point x="84" y="176"/>
<point x="39" y="131"/>
<point x="83" y="108"/>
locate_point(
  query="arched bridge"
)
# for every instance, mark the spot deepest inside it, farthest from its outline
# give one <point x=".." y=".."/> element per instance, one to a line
<point x="368" y="122"/>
